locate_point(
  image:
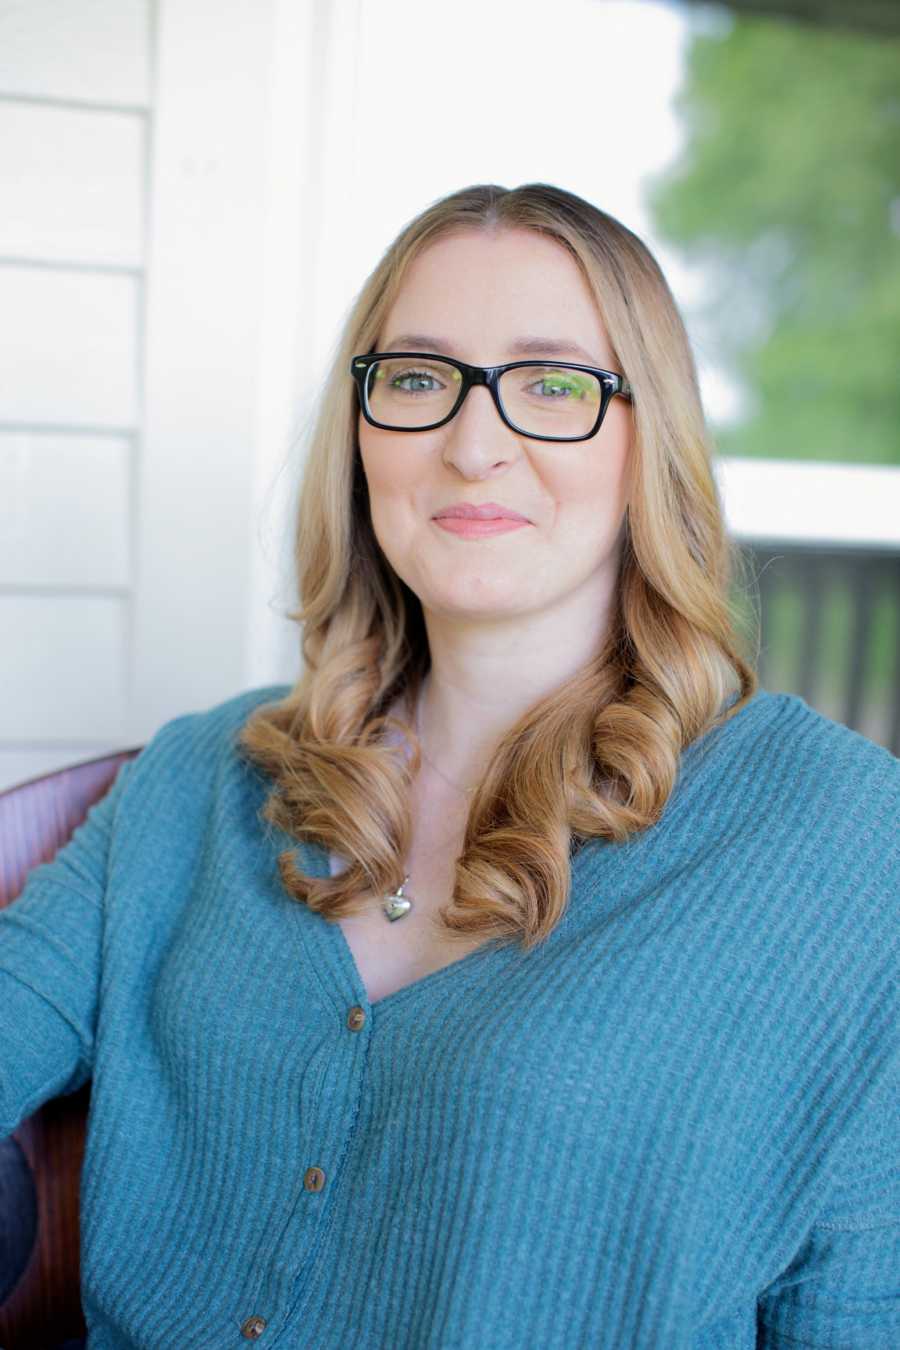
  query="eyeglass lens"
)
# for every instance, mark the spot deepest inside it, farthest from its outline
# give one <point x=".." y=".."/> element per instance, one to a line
<point x="541" y="399"/>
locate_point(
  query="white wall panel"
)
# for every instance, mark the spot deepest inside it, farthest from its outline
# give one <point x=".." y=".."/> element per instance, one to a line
<point x="64" y="510"/>
<point x="311" y="82"/>
<point x="71" y="184"/>
<point x="187" y="343"/>
<point x="64" y="674"/>
<point x="80" y="49"/>
<point x="67" y="346"/>
<point x="204" y="313"/>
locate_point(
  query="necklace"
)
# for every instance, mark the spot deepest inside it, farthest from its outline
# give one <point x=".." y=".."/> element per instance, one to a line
<point x="396" y="905"/>
<point x="437" y="768"/>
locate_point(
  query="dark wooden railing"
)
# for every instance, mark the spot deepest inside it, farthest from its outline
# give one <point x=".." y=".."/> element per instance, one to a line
<point x="830" y="630"/>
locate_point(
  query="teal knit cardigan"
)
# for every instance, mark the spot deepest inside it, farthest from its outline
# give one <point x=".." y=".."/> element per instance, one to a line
<point x="673" y="1124"/>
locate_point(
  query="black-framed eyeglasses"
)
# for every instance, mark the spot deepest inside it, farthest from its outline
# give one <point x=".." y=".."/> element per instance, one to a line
<point x="546" y="400"/>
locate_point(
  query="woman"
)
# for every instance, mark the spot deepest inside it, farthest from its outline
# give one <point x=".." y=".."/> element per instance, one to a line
<point x="525" y="974"/>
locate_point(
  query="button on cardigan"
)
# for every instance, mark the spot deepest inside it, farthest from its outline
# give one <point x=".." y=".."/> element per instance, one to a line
<point x="672" y="1124"/>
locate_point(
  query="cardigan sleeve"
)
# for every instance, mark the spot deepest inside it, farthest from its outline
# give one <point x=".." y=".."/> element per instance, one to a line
<point x="50" y="947"/>
<point x="843" y="1286"/>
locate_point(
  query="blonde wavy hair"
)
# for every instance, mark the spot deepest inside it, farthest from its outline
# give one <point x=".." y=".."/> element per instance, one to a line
<point x="596" y="758"/>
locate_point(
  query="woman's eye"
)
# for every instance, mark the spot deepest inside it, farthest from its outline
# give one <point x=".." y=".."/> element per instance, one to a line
<point x="557" y="387"/>
<point x="421" y="382"/>
<point x="550" y="387"/>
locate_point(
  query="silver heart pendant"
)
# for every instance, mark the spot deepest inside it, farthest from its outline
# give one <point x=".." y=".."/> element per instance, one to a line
<point x="396" y="905"/>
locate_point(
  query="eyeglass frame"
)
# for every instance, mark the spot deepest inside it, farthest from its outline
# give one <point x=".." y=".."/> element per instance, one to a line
<point x="611" y="382"/>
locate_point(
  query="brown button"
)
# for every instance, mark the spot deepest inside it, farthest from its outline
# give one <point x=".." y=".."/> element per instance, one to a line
<point x="253" y="1328"/>
<point x="314" y="1179"/>
<point x="356" y="1017"/>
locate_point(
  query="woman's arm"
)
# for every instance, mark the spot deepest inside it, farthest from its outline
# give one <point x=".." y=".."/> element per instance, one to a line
<point x="50" y="947"/>
<point x="843" y="1286"/>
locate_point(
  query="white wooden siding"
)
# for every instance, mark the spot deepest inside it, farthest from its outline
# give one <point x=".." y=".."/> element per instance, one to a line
<point x="64" y="512"/>
<point x="72" y="184"/>
<point x="90" y="50"/>
<point x="75" y="83"/>
<point x="68" y="346"/>
<point x="158" y="236"/>
<point x="67" y="683"/>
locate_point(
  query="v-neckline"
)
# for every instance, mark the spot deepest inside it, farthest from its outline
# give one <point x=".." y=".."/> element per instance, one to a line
<point x="334" y="964"/>
<point x="334" y="951"/>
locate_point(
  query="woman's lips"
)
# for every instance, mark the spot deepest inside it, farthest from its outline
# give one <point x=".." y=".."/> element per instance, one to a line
<point x="477" y="529"/>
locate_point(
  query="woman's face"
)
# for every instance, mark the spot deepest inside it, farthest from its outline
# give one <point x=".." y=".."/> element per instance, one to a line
<point x="475" y="296"/>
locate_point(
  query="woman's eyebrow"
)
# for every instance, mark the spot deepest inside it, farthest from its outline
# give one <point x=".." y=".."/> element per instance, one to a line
<point x="522" y="346"/>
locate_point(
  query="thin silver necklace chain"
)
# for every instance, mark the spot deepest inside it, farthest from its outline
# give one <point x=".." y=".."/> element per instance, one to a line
<point x="397" y="905"/>
<point x="436" y="767"/>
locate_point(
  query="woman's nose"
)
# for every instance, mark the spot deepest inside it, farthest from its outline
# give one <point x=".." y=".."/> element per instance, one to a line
<point x="477" y="435"/>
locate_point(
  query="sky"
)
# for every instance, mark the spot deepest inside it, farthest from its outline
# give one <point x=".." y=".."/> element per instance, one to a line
<point x="578" y="93"/>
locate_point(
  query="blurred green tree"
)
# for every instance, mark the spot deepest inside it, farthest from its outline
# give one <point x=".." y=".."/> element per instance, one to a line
<point x="788" y="192"/>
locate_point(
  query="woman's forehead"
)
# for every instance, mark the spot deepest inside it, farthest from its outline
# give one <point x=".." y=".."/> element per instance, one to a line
<point x="511" y="295"/>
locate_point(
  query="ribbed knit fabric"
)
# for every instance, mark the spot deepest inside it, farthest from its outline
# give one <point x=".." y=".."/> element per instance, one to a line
<point x="673" y="1124"/>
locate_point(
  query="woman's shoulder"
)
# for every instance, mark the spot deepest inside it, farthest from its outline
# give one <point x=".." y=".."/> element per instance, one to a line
<point x="793" y="783"/>
<point x="806" y="741"/>
<point x="798" y="744"/>
<point x="809" y="787"/>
